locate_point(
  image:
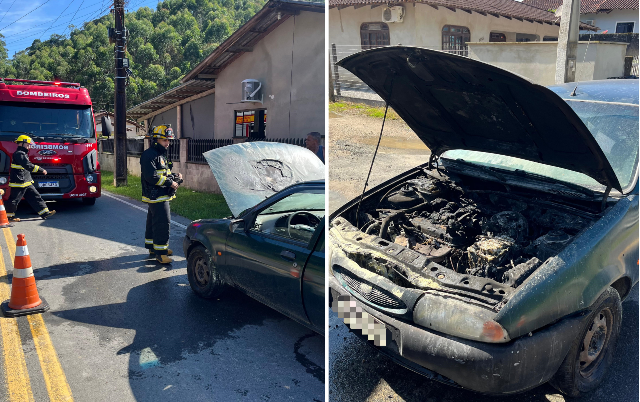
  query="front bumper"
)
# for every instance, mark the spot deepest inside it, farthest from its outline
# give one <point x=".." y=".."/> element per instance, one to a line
<point x="491" y="368"/>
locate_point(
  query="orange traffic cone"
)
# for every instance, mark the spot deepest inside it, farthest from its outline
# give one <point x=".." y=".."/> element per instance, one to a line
<point x="4" y="221"/>
<point x="24" y="294"/>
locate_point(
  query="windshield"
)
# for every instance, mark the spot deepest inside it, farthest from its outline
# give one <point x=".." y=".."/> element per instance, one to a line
<point x="46" y="120"/>
<point x="615" y="128"/>
<point x="310" y="200"/>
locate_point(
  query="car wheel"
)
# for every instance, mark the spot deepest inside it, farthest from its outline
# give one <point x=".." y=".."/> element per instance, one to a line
<point x="591" y="354"/>
<point x="89" y="201"/>
<point x="202" y="273"/>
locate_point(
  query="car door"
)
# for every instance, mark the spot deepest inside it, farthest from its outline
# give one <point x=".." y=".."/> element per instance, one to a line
<point x="313" y="278"/>
<point x="266" y="261"/>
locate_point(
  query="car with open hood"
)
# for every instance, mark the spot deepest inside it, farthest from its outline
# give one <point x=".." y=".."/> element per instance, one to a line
<point x="272" y="248"/>
<point x="501" y="263"/>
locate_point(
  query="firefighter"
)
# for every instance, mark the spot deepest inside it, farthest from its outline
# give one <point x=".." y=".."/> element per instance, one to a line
<point x="158" y="188"/>
<point x="21" y="182"/>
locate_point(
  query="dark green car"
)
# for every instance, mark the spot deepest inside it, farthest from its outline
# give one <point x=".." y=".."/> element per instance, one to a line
<point x="501" y="263"/>
<point x="273" y="247"/>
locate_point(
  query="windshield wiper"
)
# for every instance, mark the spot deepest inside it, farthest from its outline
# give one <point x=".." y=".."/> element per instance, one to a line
<point x="576" y="187"/>
<point x="486" y="169"/>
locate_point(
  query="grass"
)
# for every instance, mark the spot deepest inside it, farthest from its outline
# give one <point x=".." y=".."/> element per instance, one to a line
<point x="188" y="203"/>
<point x="360" y="109"/>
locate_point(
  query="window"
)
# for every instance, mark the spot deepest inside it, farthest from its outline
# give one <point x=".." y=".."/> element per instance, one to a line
<point x="550" y="39"/>
<point x="374" y="34"/>
<point x="455" y="38"/>
<point x="522" y="37"/>
<point x="245" y="125"/>
<point x="624" y="27"/>
<point x="497" y="37"/>
<point x="295" y="217"/>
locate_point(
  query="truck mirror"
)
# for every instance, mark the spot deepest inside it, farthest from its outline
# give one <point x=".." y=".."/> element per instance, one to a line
<point x="107" y="127"/>
<point x="237" y="226"/>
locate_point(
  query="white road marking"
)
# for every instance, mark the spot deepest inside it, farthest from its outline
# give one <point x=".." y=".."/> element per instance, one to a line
<point x="180" y="225"/>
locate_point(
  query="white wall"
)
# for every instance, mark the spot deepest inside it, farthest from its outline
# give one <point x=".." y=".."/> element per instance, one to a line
<point x="608" y="21"/>
<point x="422" y="25"/>
<point x="537" y="60"/>
<point x="289" y="62"/>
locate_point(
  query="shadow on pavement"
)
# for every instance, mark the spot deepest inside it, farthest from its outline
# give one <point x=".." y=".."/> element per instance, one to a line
<point x="179" y="334"/>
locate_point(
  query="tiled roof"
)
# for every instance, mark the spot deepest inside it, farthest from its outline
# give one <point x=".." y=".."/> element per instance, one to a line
<point x="503" y="8"/>
<point x="586" y="6"/>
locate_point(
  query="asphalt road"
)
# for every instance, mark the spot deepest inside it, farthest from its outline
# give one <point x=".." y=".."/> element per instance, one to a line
<point x="124" y="328"/>
<point x="357" y="372"/>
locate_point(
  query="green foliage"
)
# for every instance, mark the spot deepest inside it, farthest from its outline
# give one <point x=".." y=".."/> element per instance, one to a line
<point x="162" y="46"/>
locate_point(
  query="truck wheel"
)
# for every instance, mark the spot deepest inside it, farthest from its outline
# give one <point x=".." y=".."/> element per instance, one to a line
<point x="591" y="354"/>
<point x="203" y="275"/>
<point x="89" y="201"/>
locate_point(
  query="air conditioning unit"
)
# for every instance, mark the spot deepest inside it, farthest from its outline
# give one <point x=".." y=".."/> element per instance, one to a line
<point x="251" y="91"/>
<point x="393" y="14"/>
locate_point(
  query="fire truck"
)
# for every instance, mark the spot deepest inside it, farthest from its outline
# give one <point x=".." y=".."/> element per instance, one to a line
<point x="59" y="118"/>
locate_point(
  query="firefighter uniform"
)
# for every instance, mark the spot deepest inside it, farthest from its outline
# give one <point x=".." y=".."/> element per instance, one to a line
<point x="21" y="183"/>
<point x="157" y="192"/>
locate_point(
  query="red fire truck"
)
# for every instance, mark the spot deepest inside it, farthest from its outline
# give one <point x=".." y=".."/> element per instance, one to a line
<point x="59" y="118"/>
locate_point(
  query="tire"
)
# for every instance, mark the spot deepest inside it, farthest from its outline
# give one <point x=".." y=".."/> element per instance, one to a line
<point x="585" y="367"/>
<point x="89" y="201"/>
<point x="203" y="276"/>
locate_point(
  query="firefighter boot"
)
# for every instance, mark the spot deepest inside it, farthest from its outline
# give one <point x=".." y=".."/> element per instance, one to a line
<point x="14" y="219"/>
<point x="48" y="214"/>
<point x="163" y="259"/>
<point x="152" y="254"/>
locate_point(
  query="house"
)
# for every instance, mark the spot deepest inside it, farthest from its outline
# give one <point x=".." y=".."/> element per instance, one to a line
<point x="134" y="130"/>
<point x="355" y="25"/>
<point x="280" y="51"/>
<point x="614" y="16"/>
<point x="260" y="84"/>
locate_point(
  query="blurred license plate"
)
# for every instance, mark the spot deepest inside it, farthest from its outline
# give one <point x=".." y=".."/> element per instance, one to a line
<point x="48" y="184"/>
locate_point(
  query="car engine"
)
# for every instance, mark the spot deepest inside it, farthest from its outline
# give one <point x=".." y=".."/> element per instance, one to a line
<point x="476" y="230"/>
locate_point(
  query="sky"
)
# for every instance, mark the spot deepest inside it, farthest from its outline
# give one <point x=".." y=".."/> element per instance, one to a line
<point x="23" y="21"/>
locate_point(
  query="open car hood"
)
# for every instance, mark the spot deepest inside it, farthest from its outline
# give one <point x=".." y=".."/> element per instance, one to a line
<point x="248" y="173"/>
<point x="453" y="102"/>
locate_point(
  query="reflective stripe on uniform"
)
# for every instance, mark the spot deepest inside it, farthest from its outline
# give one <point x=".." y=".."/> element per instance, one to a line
<point x="161" y="180"/>
<point x="21" y="185"/>
<point x="159" y="199"/>
<point x="148" y="241"/>
<point x="160" y="247"/>
<point x="35" y="168"/>
<point x="16" y="166"/>
<point x="23" y="273"/>
<point x="44" y="211"/>
<point x="21" y="251"/>
<point x="161" y="171"/>
<point x="10" y="214"/>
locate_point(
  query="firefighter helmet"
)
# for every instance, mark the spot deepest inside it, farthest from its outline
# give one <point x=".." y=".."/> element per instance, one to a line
<point x="165" y="132"/>
<point x="24" y="138"/>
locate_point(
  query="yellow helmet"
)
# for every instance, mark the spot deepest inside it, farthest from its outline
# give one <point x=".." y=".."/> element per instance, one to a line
<point x="165" y="132"/>
<point x="24" y="138"/>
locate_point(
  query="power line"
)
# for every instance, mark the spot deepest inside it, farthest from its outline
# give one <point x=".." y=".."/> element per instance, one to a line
<point x="24" y="15"/>
<point x="71" y="20"/>
<point x="5" y="13"/>
<point x="56" y="20"/>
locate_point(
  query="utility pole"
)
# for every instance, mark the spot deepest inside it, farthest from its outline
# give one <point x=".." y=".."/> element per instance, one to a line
<point x="566" y="62"/>
<point x="120" y="104"/>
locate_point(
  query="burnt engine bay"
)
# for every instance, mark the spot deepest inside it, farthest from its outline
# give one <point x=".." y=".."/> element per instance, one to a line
<point x="467" y="225"/>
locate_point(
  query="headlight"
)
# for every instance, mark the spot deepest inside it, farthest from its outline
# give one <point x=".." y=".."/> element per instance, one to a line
<point x="93" y="189"/>
<point x="3" y="180"/>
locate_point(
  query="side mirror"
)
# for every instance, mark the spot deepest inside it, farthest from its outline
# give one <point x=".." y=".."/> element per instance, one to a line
<point x="237" y="226"/>
<point x="107" y="127"/>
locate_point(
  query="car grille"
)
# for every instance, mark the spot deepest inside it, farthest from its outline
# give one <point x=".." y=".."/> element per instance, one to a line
<point x="370" y="292"/>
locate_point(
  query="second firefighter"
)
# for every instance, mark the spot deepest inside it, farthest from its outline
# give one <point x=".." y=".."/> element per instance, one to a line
<point x="21" y="183"/>
<point x="158" y="188"/>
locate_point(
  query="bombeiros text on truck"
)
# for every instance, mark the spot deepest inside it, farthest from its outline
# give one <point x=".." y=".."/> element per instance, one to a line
<point x="59" y="118"/>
